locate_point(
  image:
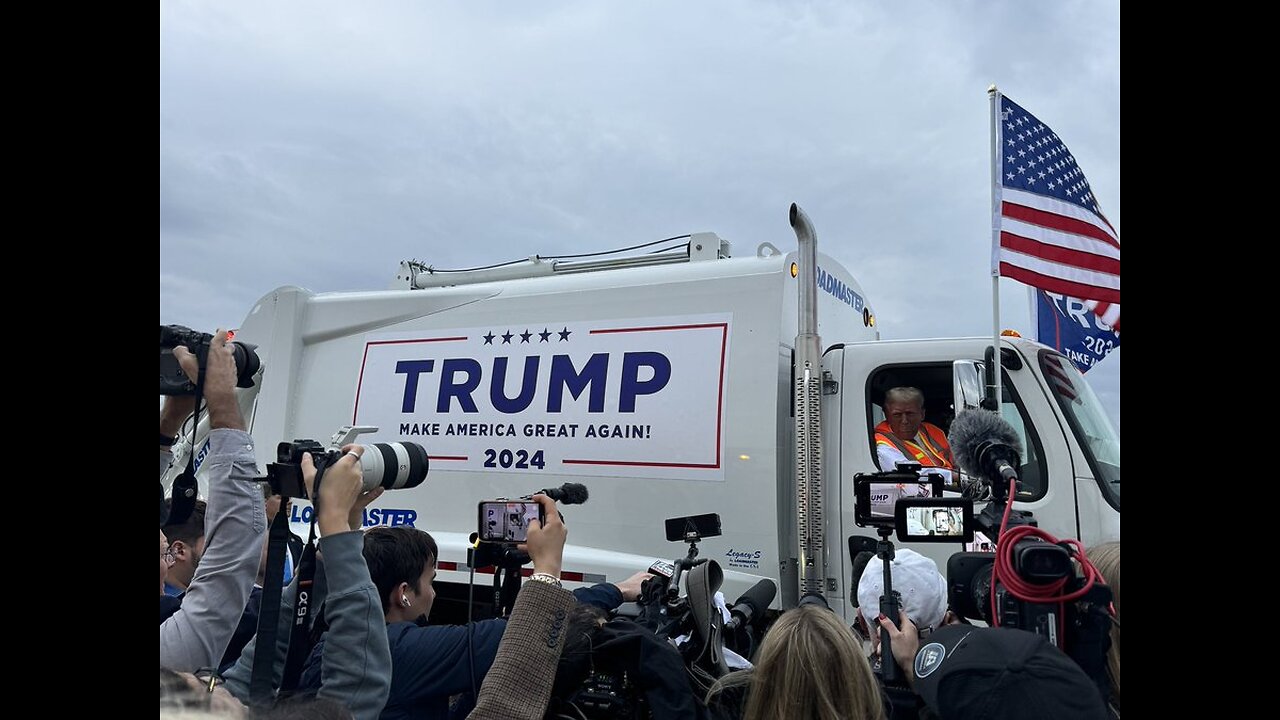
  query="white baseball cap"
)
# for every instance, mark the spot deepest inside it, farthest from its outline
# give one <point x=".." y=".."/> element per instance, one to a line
<point x="917" y="580"/>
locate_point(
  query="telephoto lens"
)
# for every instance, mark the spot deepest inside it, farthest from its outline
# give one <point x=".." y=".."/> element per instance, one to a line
<point x="393" y="465"/>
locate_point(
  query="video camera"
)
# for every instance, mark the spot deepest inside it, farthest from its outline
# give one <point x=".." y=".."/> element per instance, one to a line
<point x="1076" y="620"/>
<point x="910" y="502"/>
<point x="1036" y="563"/>
<point x="173" y="381"/>
<point x="606" y="687"/>
<point x="389" y="465"/>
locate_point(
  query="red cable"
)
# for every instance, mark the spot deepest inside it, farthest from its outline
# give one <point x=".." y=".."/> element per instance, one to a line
<point x="1002" y="569"/>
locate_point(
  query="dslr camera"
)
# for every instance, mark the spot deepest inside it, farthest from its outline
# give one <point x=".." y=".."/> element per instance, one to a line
<point x="389" y="465"/>
<point x="175" y="382"/>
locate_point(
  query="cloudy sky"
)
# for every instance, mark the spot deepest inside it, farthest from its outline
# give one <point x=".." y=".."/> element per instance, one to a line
<point x="320" y="143"/>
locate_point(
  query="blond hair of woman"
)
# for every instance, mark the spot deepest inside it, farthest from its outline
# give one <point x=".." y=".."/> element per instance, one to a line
<point x="1106" y="558"/>
<point x="810" y="667"/>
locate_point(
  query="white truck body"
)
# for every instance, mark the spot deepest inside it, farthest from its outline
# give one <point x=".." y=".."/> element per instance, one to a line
<point x="665" y="389"/>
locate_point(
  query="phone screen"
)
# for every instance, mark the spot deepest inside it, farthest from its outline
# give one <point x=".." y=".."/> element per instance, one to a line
<point x="884" y="497"/>
<point x="935" y="520"/>
<point x="877" y="494"/>
<point x="507" y="521"/>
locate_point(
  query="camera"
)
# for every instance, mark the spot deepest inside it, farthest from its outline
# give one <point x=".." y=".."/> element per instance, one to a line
<point x="1035" y="562"/>
<point x="173" y="381"/>
<point x="934" y="520"/>
<point x="507" y="521"/>
<point x="876" y="494"/>
<point x="389" y="465"/>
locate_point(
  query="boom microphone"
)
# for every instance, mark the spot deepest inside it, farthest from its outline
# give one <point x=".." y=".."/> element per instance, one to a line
<point x="752" y="604"/>
<point x="986" y="447"/>
<point x="568" y="493"/>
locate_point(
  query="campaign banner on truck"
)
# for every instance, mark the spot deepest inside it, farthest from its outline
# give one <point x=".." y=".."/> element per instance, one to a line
<point x="629" y="398"/>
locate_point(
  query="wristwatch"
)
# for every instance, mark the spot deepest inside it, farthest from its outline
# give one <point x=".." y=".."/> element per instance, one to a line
<point x="546" y="578"/>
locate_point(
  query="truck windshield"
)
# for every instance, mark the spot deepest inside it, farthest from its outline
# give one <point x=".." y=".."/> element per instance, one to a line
<point x="1088" y="421"/>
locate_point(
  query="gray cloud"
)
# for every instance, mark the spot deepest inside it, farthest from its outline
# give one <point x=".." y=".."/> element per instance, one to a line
<point x="320" y="143"/>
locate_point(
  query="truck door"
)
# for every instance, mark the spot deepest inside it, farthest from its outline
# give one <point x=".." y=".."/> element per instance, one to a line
<point x="868" y="370"/>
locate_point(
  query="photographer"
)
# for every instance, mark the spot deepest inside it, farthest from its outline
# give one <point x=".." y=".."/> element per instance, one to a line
<point x="355" y="669"/>
<point x="923" y="592"/>
<point x="965" y="672"/>
<point x="433" y="663"/>
<point x="519" y="682"/>
<point x="196" y="635"/>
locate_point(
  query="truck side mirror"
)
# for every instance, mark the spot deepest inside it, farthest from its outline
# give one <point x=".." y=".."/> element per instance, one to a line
<point x="967" y="388"/>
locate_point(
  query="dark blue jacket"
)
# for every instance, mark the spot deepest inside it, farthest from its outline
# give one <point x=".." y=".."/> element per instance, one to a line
<point x="429" y="664"/>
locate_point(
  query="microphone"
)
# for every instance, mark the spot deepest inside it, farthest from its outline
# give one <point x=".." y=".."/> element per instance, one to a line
<point x="752" y="604"/>
<point x="860" y="566"/>
<point x="568" y="493"/>
<point x="986" y="447"/>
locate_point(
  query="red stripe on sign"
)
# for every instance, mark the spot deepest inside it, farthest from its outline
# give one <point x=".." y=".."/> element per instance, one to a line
<point x="1059" y="254"/>
<point x="355" y="412"/>
<point x="447" y="457"/>
<point x="1058" y="285"/>
<point x="1057" y="222"/>
<point x="446" y="565"/>
<point x="419" y="340"/>
<point x="571" y="576"/>
<point x="627" y="463"/>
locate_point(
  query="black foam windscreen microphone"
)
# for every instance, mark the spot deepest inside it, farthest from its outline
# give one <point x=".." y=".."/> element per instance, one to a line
<point x="753" y="603"/>
<point x="568" y="493"/>
<point x="986" y="446"/>
<point x="859" y="566"/>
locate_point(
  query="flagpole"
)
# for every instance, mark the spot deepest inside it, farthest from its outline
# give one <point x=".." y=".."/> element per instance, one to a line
<point x="993" y="390"/>
<point x="1033" y="303"/>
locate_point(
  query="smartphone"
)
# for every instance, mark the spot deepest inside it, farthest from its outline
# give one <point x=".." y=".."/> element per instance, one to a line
<point x="680" y="529"/>
<point x="507" y="521"/>
<point x="934" y="520"/>
<point x="876" y="494"/>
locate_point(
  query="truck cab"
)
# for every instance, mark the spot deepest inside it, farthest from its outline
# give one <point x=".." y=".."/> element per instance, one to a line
<point x="1070" y="468"/>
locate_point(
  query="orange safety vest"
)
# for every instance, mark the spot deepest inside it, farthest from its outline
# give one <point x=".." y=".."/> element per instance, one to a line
<point x="929" y="448"/>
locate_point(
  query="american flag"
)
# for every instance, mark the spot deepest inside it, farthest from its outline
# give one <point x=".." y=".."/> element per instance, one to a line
<point x="1053" y="235"/>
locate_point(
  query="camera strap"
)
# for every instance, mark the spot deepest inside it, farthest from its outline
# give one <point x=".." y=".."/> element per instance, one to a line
<point x="182" y="497"/>
<point x="300" y="639"/>
<point x="262" y="680"/>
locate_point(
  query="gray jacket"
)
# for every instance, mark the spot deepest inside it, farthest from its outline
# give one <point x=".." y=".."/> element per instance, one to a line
<point x="235" y="524"/>
<point x="356" y="665"/>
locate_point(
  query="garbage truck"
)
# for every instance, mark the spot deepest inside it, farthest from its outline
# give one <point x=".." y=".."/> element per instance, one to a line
<point x="670" y="383"/>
